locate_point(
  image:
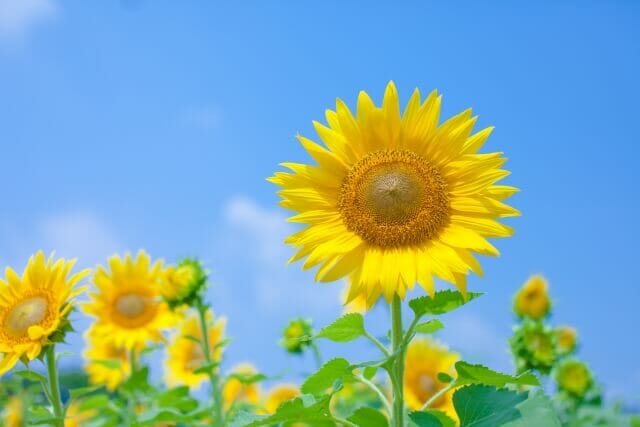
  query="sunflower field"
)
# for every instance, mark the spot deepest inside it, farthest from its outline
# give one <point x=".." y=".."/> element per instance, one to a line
<point x="393" y="196"/>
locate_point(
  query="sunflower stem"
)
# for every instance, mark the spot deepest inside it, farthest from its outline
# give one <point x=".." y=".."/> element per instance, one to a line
<point x="213" y="378"/>
<point x="438" y="395"/>
<point x="316" y="355"/>
<point x="397" y="368"/>
<point x="54" y="385"/>
<point x="378" y="391"/>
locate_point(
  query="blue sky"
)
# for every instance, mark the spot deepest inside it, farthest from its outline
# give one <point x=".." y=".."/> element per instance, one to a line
<point x="138" y="124"/>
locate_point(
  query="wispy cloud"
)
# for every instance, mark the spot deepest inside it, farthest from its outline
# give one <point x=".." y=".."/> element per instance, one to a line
<point x="19" y="17"/>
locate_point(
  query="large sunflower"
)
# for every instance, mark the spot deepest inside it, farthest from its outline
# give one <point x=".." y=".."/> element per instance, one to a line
<point x="34" y="307"/>
<point x="128" y="305"/>
<point x="426" y="358"/>
<point x="395" y="198"/>
<point x="106" y="362"/>
<point x="185" y="356"/>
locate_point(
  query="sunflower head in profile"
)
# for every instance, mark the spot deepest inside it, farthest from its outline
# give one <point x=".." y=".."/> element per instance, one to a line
<point x="278" y="395"/>
<point x="237" y="391"/>
<point x="106" y="363"/>
<point x="128" y="304"/>
<point x="533" y="300"/>
<point x="426" y="358"/>
<point x="184" y="355"/>
<point x="34" y="308"/>
<point x="574" y="377"/>
<point x="183" y="282"/>
<point x="396" y="198"/>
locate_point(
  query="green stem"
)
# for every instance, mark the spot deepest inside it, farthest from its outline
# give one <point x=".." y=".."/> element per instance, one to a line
<point x="378" y="391"/>
<point x="343" y="422"/>
<point x="133" y="360"/>
<point x="206" y="349"/>
<point x="438" y="395"/>
<point x="316" y="355"/>
<point x="397" y="369"/>
<point x="377" y="343"/>
<point x="54" y="385"/>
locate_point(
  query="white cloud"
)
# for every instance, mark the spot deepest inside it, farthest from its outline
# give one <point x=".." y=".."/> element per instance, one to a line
<point x="18" y="17"/>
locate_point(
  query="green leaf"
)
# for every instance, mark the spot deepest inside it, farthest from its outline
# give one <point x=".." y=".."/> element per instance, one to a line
<point x="537" y="410"/>
<point x="305" y="408"/>
<point x="248" y="379"/>
<point x="429" y="327"/>
<point x="207" y="368"/>
<point x="82" y="391"/>
<point x="444" y="377"/>
<point x="431" y="418"/>
<point x="344" y="329"/>
<point x="486" y="406"/>
<point x="478" y="374"/>
<point x="370" y="372"/>
<point x="32" y="376"/>
<point x="442" y="302"/>
<point x="327" y="375"/>
<point x="109" y="363"/>
<point x="368" y="417"/>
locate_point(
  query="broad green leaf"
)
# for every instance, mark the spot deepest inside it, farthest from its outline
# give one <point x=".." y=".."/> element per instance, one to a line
<point x="82" y="391"/>
<point x="486" y="406"/>
<point x="370" y="372"/>
<point x="327" y="375"/>
<point x="537" y="410"/>
<point x="478" y="374"/>
<point x="431" y="418"/>
<point x="429" y="327"/>
<point x="368" y="417"/>
<point x="32" y="376"/>
<point x="305" y="408"/>
<point x="344" y="329"/>
<point x="444" y="377"/>
<point x="442" y="302"/>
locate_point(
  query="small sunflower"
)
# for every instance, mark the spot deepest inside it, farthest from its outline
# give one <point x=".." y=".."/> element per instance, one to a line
<point x="184" y="355"/>
<point x="34" y="307"/>
<point x="297" y="335"/>
<point x="278" y="395"/>
<point x="426" y="358"/>
<point x="128" y="305"/>
<point x="534" y="347"/>
<point x="183" y="281"/>
<point x="566" y="339"/>
<point x="574" y="377"/>
<point x="235" y="391"/>
<point x="105" y="362"/>
<point x="396" y="199"/>
<point x="532" y="300"/>
<point x="13" y="413"/>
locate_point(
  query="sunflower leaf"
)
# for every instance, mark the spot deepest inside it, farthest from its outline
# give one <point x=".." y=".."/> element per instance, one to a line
<point x="442" y="302"/>
<point x="32" y="376"/>
<point x="305" y="408"/>
<point x="368" y="417"/>
<point x="478" y="374"/>
<point x="327" y="376"/>
<point x="486" y="406"/>
<point x="431" y="418"/>
<point x="429" y="327"/>
<point x="537" y="410"/>
<point x="344" y="329"/>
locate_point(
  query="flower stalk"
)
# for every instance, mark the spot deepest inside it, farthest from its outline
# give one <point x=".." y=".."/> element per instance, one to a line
<point x="397" y="367"/>
<point x="206" y="349"/>
<point x="54" y="385"/>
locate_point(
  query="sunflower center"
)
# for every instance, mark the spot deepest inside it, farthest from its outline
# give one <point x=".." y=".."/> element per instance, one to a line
<point x="427" y="385"/>
<point x="25" y="314"/>
<point x="133" y="310"/>
<point x="394" y="198"/>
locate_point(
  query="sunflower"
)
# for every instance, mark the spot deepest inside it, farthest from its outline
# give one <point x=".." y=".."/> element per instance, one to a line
<point x="356" y="305"/>
<point x="183" y="282"/>
<point x="128" y="305"/>
<point x="426" y="358"/>
<point x="77" y="416"/>
<point x="574" y="377"/>
<point x="395" y="198"/>
<point x="534" y="347"/>
<point x="184" y="355"/>
<point x="566" y="339"/>
<point x="105" y="362"/>
<point x="13" y="412"/>
<point x="532" y="300"/>
<point x="278" y="395"/>
<point x="235" y="391"/>
<point x="34" y="307"/>
<point x="296" y="336"/>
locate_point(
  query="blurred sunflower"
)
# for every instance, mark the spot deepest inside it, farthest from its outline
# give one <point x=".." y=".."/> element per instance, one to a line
<point x="105" y="362"/>
<point x="183" y="282"/>
<point x="13" y="413"/>
<point x="34" y="307"/>
<point x="395" y="198"/>
<point x="532" y="300"/>
<point x="235" y="390"/>
<point x="184" y="355"/>
<point x="297" y="335"/>
<point x="426" y="358"/>
<point x="534" y="347"/>
<point x="574" y="377"/>
<point x="128" y="305"/>
<point x="278" y="395"/>
<point x="77" y="416"/>
<point x="566" y="339"/>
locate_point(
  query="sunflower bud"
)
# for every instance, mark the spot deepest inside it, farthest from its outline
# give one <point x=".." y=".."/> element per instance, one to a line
<point x="183" y="282"/>
<point x="297" y="335"/>
<point x="534" y="347"/>
<point x="566" y="339"/>
<point x="574" y="378"/>
<point x="532" y="300"/>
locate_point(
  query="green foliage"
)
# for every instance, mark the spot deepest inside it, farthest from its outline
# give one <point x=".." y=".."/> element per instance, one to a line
<point x="305" y="408"/>
<point x="431" y="418"/>
<point x="537" y="410"/>
<point x="429" y="327"/>
<point x="368" y="417"/>
<point x="478" y="374"/>
<point x="338" y="369"/>
<point x="441" y="303"/>
<point x="486" y="406"/>
<point x="344" y="329"/>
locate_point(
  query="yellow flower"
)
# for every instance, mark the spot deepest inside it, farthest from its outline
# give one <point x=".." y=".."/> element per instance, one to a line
<point x="567" y="339"/>
<point x="395" y="198"/>
<point x="128" y="305"/>
<point x="425" y="359"/>
<point x="297" y="335"/>
<point x="105" y="362"/>
<point x="34" y="307"/>
<point x="235" y="391"/>
<point x="574" y="377"/>
<point x="278" y="395"/>
<point x="532" y="300"/>
<point x="184" y="355"/>
<point x="76" y="416"/>
<point x="181" y="282"/>
<point x="13" y="413"/>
